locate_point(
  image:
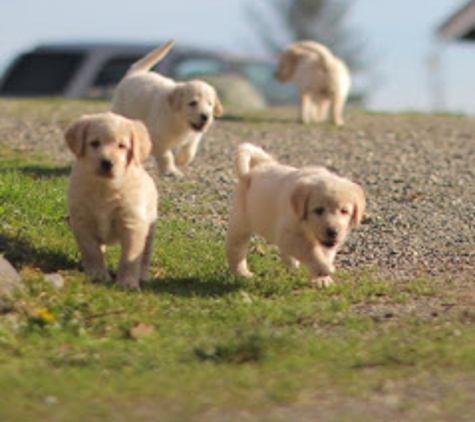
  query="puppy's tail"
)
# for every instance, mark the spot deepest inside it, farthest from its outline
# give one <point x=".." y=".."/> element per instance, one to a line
<point x="147" y="62"/>
<point x="247" y="157"/>
<point x="323" y="52"/>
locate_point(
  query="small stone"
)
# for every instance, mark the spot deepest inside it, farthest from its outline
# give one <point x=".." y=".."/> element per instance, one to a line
<point x="55" y="279"/>
<point x="10" y="279"/>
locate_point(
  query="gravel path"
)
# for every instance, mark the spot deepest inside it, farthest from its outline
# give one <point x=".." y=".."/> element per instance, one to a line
<point x="418" y="172"/>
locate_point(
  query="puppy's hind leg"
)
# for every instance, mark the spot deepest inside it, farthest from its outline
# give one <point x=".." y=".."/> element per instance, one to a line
<point x="306" y="108"/>
<point x="337" y="110"/>
<point x="237" y="241"/>
<point x="322" y="110"/>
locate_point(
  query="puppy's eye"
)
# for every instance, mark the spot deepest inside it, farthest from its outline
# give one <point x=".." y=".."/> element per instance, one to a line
<point x="345" y="211"/>
<point x="122" y="146"/>
<point x="319" y="210"/>
<point x="193" y="103"/>
<point x="95" y="143"/>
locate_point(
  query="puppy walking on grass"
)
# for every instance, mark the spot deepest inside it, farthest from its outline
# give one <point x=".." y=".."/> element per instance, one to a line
<point x="111" y="198"/>
<point x="176" y="114"/>
<point x="306" y="212"/>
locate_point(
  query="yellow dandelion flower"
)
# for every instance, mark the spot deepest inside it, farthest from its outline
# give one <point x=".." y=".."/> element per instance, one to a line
<point x="44" y="315"/>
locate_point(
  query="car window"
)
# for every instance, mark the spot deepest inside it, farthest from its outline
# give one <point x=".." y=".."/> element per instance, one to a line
<point x="113" y="71"/>
<point x="35" y="74"/>
<point x="260" y="74"/>
<point x="194" y="66"/>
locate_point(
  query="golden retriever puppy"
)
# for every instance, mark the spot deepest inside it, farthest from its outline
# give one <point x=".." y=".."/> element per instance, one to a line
<point x="176" y="114"/>
<point x="306" y="212"/>
<point x="111" y="198"/>
<point x="322" y="79"/>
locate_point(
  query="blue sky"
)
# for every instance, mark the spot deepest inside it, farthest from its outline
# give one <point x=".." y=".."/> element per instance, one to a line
<point x="400" y="38"/>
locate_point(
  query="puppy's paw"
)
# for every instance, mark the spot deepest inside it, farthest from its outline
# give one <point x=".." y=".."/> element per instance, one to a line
<point x="242" y="271"/>
<point x="174" y="173"/>
<point x="321" y="282"/>
<point x="290" y="262"/>
<point x="183" y="158"/>
<point x="128" y="284"/>
<point x="246" y="273"/>
<point x="99" y="275"/>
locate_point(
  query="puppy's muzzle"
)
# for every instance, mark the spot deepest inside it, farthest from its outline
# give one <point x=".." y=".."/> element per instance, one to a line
<point x="106" y="166"/>
<point x="204" y="118"/>
<point x="331" y="237"/>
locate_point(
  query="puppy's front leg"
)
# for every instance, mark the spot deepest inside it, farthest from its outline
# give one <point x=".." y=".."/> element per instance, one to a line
<point x="166" y="163"/>
<point x="147" y="253"/>
<point x="321" y="267"/>
<point x="133" y="241"/>
<point x="289" y="261"/>
<point x="186" y="153"/>
<point x="91" y="256"/>
<point x="312" y="256"/>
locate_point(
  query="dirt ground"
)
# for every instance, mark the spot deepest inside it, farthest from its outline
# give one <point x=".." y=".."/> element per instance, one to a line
<point x="418" y="172"/>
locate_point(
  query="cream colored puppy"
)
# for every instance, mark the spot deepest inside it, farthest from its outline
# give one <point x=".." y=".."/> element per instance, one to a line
<point x="111" y="198"/>
<point x="322" y="79"/>
<point x="306" y="212"/>
<point x="176" y="114"/>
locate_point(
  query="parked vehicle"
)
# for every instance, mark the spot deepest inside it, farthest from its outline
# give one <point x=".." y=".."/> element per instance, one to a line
<point x="91" y="70"/>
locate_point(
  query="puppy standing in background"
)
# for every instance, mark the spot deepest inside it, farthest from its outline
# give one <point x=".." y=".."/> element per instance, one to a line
<point x="322" y="79"/>
<point x="176" y="114"/>
<point x="306" y="212"/>
<point x="111" y="198"/>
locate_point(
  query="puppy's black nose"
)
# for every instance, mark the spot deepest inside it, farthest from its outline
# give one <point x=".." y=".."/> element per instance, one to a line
<point x="204" y="117"/>
<point x="332" y="233"/>
<point x="106" y="165"/>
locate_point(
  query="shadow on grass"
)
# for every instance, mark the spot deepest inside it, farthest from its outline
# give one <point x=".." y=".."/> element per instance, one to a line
<point x="256" y="119"/>
<point x="40" y="172"/>
<point x="213" y="286"/>
<point x="20" y="253"/>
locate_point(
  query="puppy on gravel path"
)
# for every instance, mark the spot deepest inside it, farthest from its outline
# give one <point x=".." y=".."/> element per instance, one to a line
<point x="176" y="114"/>
<point x="111" y="198"/>
<point x="306" y="212"/>
<point x="322" y="79"/>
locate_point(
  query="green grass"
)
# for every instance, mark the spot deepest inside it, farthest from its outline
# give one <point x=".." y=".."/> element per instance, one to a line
<point x="219" y="343"/>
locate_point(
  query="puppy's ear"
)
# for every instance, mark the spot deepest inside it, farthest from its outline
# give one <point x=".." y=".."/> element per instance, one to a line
<point x="176" y="98"/>
<point x="218" y="107"/>
<point x="141" y="145"/>
<point x="287" y="64"/>
<point x="299" y="201"/>
<point x="360" y="206"/>
<point x="75" y="136"/>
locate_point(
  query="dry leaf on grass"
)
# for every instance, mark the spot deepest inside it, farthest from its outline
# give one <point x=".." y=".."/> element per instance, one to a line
<point x="140" y="330"/>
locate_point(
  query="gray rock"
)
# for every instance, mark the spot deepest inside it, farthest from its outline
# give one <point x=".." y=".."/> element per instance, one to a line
<point x="10" y="280"/>
<point x="55" y="279"/>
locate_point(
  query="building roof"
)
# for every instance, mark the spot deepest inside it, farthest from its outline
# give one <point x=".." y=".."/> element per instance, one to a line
<point x="460" y="26"/>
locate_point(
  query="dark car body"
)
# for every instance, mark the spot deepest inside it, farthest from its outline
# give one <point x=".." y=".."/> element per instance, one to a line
<point x="85" y="70"/>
